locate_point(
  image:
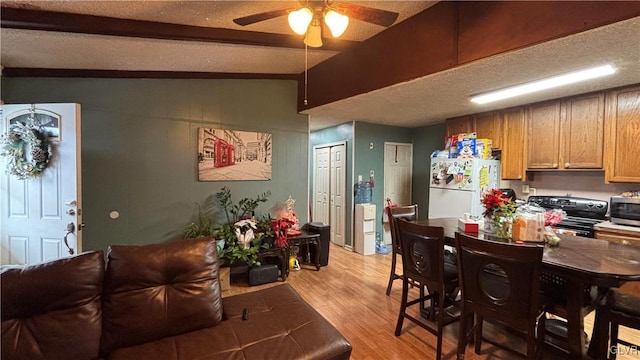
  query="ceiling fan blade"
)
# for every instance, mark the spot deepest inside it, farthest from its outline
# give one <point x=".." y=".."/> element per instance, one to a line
<point x="252" y="19"/>
<point x="370" y="15"/>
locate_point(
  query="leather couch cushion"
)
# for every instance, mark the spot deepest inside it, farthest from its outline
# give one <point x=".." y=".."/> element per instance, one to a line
<point x="280" y="325"/>
<point x="53" y="310"/>
<point x="159" y="290"/>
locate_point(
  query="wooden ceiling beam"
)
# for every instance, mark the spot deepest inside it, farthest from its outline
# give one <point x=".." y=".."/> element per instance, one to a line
<point x="450" y="34"/>
<point x="139" y="74"/>
<point x="14" y="18"/>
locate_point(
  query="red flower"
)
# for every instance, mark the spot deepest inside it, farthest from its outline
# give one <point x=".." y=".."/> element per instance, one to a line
<point x="280" y="227"/>
<point x="494" y="200"/>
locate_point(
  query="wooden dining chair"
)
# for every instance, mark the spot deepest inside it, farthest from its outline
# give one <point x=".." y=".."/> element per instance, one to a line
<point x="553" y="290"/>
<point x="408" y="212"/>
<point x="423" y="264"/>
<point x="618" y="308"/>
<point x="500" y="281"/>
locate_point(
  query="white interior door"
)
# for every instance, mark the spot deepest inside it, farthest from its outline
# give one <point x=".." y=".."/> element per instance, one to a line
<point x="329" y="187"/>
<point x="338" y="198"/>
<point x="321" y="157"/>
<point x="38" y="215"/>
<point x="398" y="172"/>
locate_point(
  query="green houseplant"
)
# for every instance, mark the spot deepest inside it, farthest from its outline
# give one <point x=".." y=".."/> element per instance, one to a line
<point x="230" y="252"/>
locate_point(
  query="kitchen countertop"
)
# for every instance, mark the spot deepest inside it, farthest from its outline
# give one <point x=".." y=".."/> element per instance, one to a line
<point x="608" y="225"/>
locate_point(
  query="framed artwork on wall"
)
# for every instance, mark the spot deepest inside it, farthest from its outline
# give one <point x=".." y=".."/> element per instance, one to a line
<point x="225" y="155"/>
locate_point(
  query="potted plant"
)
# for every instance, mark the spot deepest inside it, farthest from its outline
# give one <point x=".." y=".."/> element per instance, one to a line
<point x="239" y="219"/>
<point x="203" y="228"/>
<point x="235" y="251"/>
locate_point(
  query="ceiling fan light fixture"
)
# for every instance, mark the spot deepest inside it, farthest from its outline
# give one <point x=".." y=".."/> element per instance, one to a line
<point x="314" y="35"/>
<point x="336" y="22"/>
<point x="548" y="83"/>
<point x="299" y="20"/>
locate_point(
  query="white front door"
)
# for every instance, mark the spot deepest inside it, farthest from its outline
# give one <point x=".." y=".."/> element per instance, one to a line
<point x="40" y="216"/>
<point x="338" y="198"/>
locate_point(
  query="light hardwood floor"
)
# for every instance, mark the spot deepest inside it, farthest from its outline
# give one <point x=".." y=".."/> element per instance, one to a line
<point x="350" y="293"/>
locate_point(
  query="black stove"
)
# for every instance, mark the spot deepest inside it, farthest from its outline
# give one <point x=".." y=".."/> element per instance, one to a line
<point x="582" y="213"/>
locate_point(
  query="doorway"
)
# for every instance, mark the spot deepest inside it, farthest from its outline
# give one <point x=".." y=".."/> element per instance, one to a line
<point x="398" y="173"/>
<point x="41" y="216"/>
<point x="329" y="188"/>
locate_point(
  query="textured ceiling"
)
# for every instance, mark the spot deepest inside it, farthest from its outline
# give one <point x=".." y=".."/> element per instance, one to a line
<point x="432" y="98"/>
<point x="419" y="102"/>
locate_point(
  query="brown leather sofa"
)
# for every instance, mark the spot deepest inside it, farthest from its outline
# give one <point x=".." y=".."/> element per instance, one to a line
<point x="159" y="301"/>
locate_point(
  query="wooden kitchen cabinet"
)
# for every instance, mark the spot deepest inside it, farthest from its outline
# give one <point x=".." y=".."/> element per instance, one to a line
<point x="459" y="125"/>
<point x="567" y="134"/>
<point x="489" y="126"/>
<point x="582" y="131"/>
<point x="619" y="236"/>
<point x="513" y="145"/>
<point x="622" y="135"/>
<point x="543" y="136"/>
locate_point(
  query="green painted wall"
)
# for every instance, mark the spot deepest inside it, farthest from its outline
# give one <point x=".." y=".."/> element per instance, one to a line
<point x="331" y="135"/>
<point x="426" y="140"/>
<point x="139" y="147"/>
<point x="373" y="159"/>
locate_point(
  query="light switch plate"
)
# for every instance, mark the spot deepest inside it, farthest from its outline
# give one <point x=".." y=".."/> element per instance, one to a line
<point x="525" y="188"/>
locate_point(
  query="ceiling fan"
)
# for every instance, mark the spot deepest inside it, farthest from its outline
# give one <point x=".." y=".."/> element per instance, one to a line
<point x="308" y="18"/>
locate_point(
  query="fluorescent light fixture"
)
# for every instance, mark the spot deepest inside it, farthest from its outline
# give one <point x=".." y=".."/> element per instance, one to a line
<point x="544" y="84"/>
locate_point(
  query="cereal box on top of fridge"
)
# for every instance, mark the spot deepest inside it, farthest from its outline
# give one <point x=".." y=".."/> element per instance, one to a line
<point x="483" y="148"/>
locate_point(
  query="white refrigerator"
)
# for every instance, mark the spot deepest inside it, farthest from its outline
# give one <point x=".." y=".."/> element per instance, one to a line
<point x="456" y="186"/>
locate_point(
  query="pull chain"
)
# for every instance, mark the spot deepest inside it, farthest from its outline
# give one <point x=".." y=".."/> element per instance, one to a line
<point x="306" y="66"/>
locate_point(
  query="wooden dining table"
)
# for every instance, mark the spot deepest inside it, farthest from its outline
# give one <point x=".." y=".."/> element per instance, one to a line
<point x="581" y="262"/>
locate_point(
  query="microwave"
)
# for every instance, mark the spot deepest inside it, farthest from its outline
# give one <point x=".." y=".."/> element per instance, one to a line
<point x="625" y="210"/>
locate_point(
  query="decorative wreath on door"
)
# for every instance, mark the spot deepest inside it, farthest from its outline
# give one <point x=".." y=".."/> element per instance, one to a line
<point x="28" y="150"/>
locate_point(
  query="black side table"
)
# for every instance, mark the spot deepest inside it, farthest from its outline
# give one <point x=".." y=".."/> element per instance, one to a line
<point x="282" y="253"/>
<point x="306" y="238"/>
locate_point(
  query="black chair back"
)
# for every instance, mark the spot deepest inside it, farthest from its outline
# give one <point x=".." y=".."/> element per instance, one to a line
<point x="423" y="266"/>
<point x="422" y="255"/>
<point x="408" y="212"/>
<point x="500" y="281"/>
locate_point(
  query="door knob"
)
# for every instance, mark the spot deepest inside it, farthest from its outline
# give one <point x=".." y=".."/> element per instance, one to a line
<point x="71" y="212"/>
<point x="71" y="228"/>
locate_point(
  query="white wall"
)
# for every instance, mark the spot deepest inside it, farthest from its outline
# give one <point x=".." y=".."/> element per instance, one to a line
<point x="588" y="184"/>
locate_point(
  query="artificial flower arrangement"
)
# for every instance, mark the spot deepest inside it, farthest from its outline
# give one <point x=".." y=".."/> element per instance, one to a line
<point x="495" y="201"/>
<point x="244" y="231"/>
<point x="280" y="227"/>
<point x="499" y="212"/>
<point x="286" y="223"/>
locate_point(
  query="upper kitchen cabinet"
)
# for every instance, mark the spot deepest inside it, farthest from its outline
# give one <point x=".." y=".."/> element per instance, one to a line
<point x="622" y="133"/>
<point x="567" y="134"/>
<point x="489" y="126"/>
<point x="582" y="129"/>
<point x="459" y="125"/>
<point x="543" y="136"/>
<point x="513" y="145"/>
